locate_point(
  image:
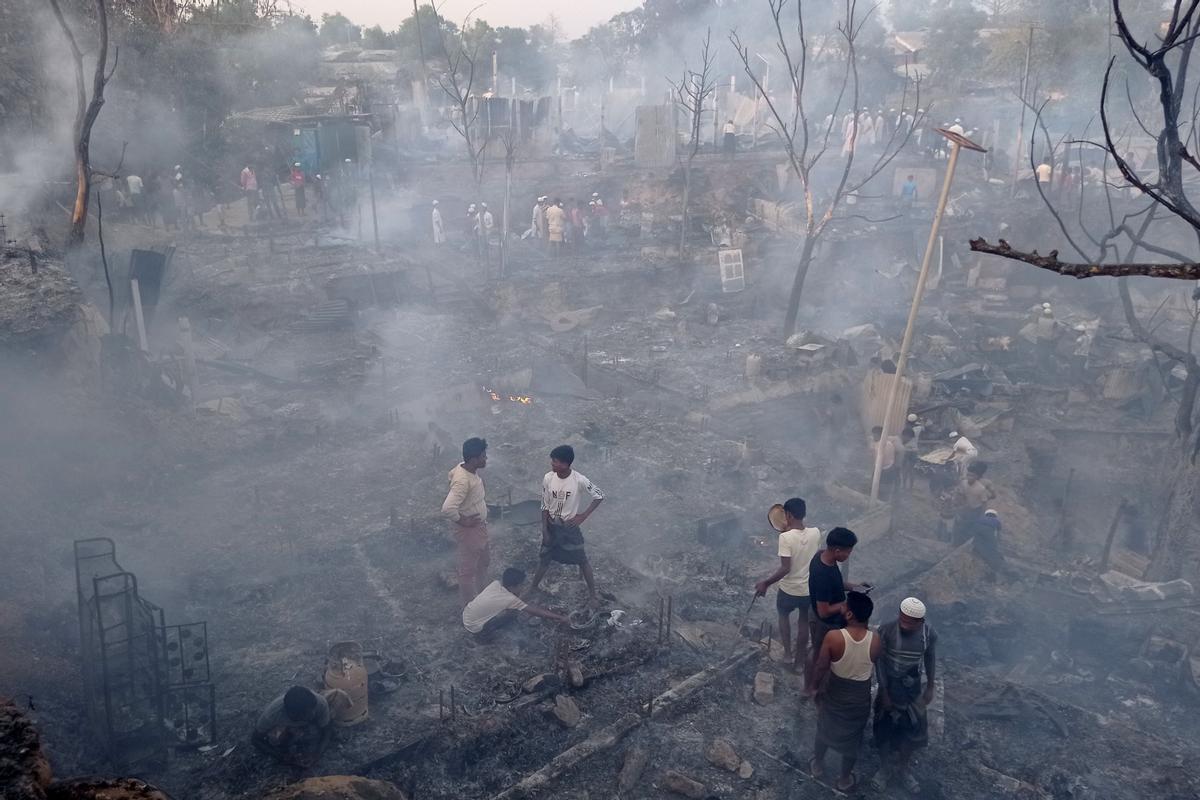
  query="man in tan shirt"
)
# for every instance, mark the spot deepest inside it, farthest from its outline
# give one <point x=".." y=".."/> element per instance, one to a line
<point x="466" y="509"/>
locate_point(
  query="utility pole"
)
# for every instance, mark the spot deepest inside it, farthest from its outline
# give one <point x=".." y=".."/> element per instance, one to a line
<point x="957" y="142"/>
<point x="1021" y="124"/>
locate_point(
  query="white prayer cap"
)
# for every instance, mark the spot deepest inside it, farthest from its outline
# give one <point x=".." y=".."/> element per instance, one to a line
<point x="294" y="165"/>
<point x="435" y="202"/>
<point x="595" y="194"/>
<point x="1046" y="305"/>
<point x="178" y="167"/>
<point x="912" y="607"/>
<point x="953" y="434"/>
<point x="912" y="417"/>
<point x="991" y="512"/>
<point x="484" y="205"/>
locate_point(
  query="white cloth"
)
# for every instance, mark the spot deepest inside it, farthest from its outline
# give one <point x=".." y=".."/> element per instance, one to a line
<point x="439" y="231"/>
<point x="563" y="497"/>
<point x="488" y="604"/>
<point x="956" y="128"/>
<point x="800" y="545"/>
<point x="488" y="222"/>
<point x="1044" y="171"/>
<point x="466" y="497"/>
<point x="134" y="183"/>
<point x="729" y="127"/>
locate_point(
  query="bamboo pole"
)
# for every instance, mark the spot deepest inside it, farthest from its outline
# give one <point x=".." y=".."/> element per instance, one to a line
<point x="906" y="344"/>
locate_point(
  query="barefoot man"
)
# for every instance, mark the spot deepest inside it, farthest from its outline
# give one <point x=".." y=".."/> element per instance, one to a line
<point x="563" y="490"/>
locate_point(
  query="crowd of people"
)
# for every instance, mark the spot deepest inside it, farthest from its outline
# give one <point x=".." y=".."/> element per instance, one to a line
<point x="839" y="655"/>
<point x="559" y="225"/>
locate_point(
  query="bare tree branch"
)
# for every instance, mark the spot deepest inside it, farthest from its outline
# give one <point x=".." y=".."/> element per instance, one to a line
<point x="1183" y="272"/>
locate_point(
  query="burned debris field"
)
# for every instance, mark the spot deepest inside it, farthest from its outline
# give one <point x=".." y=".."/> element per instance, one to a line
<point x="641" y="408"/>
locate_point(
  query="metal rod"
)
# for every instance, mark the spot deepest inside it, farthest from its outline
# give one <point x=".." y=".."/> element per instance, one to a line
<point x="661" y="604"/>
<point x="1112" y="535"/>
<point x="670" y="601"/>
<point x="906" y="345"/>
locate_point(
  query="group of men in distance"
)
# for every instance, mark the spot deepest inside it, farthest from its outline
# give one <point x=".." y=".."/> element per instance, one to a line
<point x="569" y="498"/>
<point x="845" y="654"/>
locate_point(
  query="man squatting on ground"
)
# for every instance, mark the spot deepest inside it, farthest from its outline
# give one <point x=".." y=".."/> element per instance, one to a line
<point x="498" y="604"/>
<point x="901" y="723"/>
<point x="797" y="546"/>
<point x="466" y="508"/>
<point x="563" y="490"/>
<point x="843" y="672"/>
<point x="295" y="727"/>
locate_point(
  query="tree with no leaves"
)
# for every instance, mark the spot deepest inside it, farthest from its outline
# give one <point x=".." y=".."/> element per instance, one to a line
<point x="460" y="55"/>
<point x="87" y="110"/>
<point x="1166" y="186"/>
<point x="691" y="93"/>
<point x="806" y="138"/>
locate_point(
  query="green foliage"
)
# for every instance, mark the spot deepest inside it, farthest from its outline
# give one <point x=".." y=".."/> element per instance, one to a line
<point x="338" y="29"/>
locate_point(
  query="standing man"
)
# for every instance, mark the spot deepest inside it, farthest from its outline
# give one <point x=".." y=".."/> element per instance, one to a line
<point x="730" y="140"/>
<point x="970" y="499"/>
<point x="556" y="227"/>
<point x="797" y="546"/>
<point x="908" y="192"/>
<point x="848" y="658"/>
<point x="901" y="723"/>
<point x="439" y="229"/>
<point x="249" y="183"/>
<point x="298" y="189"/>
<point x="562" y="513"/>
<point x="827" y="589"/>
<point x="137" y="199"/>
<point x="466" y="508"/>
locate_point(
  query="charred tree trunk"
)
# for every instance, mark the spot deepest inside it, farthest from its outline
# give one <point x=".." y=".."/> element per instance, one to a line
<point x="1177" y="554"/>
<point x="86" y="112"/>
<point x="687" y="191"/>
<point x="793" y="309"/>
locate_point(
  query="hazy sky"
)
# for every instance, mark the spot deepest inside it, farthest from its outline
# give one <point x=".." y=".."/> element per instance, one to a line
<point x="575" y="17"/>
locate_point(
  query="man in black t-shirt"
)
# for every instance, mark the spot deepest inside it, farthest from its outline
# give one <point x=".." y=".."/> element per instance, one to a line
<point x="826" y="588"/>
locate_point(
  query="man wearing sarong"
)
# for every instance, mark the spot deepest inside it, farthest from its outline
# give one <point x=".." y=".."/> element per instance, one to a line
<point x="901" y="724"/>
<point x="563" y="490"/>
<point x="466" y="508"/>
<point x="843" y="677"/>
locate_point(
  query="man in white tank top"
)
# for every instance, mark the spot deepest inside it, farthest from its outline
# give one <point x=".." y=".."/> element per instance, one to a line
<point x="842" y="674"/>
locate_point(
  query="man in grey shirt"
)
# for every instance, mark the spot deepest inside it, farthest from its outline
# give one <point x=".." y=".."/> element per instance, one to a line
<point x="295" y="727"/>
<point x="901" y="722"/>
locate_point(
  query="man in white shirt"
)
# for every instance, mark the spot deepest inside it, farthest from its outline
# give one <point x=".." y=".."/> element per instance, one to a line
<point x="466" y="508"/>
<point x="562" y="513"/>
<point x="797" y="546"/>
<point x="496" y="606"/>
<point x="439" y="230"/>
<point x="963" y="453"/>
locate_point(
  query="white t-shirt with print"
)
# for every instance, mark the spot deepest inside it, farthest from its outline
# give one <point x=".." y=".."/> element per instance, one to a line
<point x="800" y="545"/>
<point x="563" y="497"/>
<point x="489" y="603"/>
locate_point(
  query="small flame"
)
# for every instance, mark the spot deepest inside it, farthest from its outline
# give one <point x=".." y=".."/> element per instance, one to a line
<point x="523" y="399"/>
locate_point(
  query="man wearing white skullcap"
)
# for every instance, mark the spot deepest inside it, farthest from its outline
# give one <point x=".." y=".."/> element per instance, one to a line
<point x="901" y="724"/>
